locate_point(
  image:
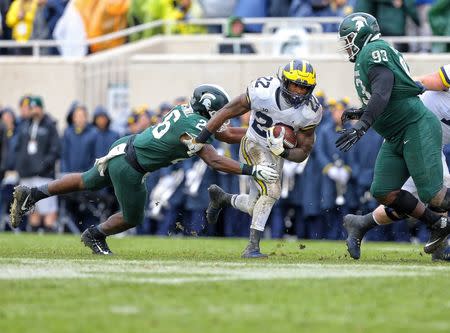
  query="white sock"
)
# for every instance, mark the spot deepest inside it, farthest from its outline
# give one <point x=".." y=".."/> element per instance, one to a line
<point x="240" y="201"/>
<point x="261" y="212"/>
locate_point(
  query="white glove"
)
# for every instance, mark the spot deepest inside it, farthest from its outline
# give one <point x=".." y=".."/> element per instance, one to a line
<point x="193" y="147"/>
<point x="266" y="173"/>
<point x="275" y="143"/>
<point x="343" y="175"/>
<point x="333" y="173"/>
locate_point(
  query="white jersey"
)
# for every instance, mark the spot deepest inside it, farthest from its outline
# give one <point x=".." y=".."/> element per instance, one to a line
<point x="263" y="98"/>
<point x="438" y="102"/>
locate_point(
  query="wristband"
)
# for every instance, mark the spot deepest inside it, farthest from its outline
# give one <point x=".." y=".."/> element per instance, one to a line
<point x="203" y="136"/>
<point x="246" y="169"/>
<point x="285" y="153"/>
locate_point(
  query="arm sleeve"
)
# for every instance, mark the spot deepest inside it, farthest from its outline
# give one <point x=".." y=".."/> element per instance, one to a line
<point x="381" y="81"/>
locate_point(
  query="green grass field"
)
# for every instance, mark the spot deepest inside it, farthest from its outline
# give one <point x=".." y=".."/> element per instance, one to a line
<point x="54" y="284"/>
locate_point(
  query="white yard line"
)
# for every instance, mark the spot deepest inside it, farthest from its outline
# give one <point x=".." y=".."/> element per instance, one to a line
<point x="179" y="272"/>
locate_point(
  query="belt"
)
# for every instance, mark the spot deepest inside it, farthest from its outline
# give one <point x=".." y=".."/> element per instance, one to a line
<point x="130" y="156"/>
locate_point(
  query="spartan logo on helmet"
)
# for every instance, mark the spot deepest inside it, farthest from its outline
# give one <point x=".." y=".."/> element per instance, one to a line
<point x="355" y="31"/>
<point x="359" y="22"/>
<point x="207" y="99"/>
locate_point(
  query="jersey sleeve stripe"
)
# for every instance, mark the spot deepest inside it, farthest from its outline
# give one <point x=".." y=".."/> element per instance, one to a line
<point x="444" y="77"/>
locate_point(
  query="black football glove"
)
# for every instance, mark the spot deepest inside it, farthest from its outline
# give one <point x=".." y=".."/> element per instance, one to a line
<point x="349" y="136"/>
<point x="351" y="114"/>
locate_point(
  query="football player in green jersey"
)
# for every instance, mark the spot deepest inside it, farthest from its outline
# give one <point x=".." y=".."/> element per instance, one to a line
<point x="131" y="157"/>
<point x="413" y="135"/>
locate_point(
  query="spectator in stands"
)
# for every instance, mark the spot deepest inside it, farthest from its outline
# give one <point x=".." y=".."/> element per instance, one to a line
<point x="36" y="151"/>
<point x="5" y="31"/>
<point x="180" y="100"/>
<point x="423" y="29"/>
<point x="47" y="15"/>
<point x="140" y="119"/>
<point x="336" y="169"/>
<point x="198" y="178"/>
<point x="107" y="17"/>
<point x="24" y="108"/>
<point x="3" y="149"/>
<point x="279" y="8"/>
<point x="164" y="108"/>
<point x="181" y="10"/>
<point x="391" y="16"/>
<point x="104" y="135"/>
<point x="323" y="8"/>
<point x="252" y="8"/>
<point x="78" y="145"/>
<point x="70" y="30"/>
<point x="233" y="45"/>
<point x="144" y="11"/>
<point x="78" y="153"/>
<point x="440" y="24"/>
<point x="20" y="19"/>
<point x="11" y="178"/>
<point x="217" y="9"/>
<point x="40" y="26"/>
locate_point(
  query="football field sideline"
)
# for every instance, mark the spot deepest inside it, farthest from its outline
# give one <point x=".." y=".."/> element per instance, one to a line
<point x="179" y="272"/>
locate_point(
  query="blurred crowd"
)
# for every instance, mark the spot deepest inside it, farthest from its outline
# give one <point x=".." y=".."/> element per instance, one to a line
<point x="315" y="195"/>
<point x="79" y="20"/>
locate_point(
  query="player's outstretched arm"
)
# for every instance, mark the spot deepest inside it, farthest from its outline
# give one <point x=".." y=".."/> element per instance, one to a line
<point x="235" y="108"/>
<point x="210" y="156"/>
<point x="305" y="141"/>
<point x="434" y="81"/>
<point x="231" y="135"/>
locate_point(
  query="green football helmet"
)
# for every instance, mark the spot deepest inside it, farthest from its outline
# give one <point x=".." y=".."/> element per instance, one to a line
<point x="207" y="99"/>
<point x="355" y="31"/>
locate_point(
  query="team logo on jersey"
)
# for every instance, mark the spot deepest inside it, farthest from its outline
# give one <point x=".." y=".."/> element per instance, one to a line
<point x="360" y="22"/>
<point x="206" y="100"/>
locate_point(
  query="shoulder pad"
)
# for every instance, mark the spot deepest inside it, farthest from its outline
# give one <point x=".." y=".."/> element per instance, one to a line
<point x="263" y="88"/>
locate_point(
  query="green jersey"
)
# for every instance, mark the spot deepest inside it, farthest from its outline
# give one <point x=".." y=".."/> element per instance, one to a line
<point x="159" y="146"/>
<point x="404" y="106"/>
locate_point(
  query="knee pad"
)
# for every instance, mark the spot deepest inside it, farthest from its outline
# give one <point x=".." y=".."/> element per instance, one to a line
<point x="272" y="190"/>
<point x="393" y="215"/>
<point x="404" y="203"/>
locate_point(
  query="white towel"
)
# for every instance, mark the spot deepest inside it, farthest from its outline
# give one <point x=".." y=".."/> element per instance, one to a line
<point x="102" y="162"/>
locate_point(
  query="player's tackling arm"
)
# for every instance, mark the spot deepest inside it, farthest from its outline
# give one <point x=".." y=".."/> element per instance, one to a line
<point x="235" y="108"/>
<point x="438" y="81"/>
<point x="231" y="135"/>
<point x="210" y="156"/>
<point x="303" y="149"/>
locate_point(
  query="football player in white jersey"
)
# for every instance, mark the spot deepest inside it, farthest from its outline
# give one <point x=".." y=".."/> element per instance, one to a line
<point x="437" y="100"/>
<point x="285" y="99"/>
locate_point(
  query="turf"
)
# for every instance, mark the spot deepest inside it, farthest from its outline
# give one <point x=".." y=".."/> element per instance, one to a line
<point x="53" y="284"/>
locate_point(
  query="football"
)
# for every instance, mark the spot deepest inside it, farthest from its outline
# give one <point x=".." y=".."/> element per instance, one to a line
<point x="290" y="138"/>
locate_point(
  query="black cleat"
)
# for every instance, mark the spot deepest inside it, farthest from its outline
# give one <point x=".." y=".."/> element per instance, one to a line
<point x="218" y="199"/>
<point x="22" y="204"/>
<point x="96" y="242"/>
<point x="439" y="232"/>
<point x="356" y="231"/>
<point x="251" y="252"/>
<point x="442" y="252"/>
